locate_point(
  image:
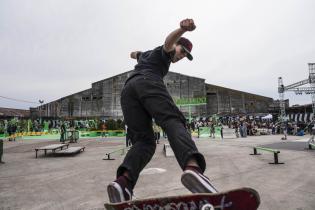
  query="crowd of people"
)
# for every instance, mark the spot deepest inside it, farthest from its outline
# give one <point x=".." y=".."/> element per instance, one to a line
<point x="250" y="127"/>
<point x="14" y="125"/>
<point x="243" y="126"/>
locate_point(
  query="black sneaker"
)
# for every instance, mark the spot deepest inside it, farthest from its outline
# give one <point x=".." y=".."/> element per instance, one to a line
<point x="196" y="182"/>
<point x="119" y="190"/>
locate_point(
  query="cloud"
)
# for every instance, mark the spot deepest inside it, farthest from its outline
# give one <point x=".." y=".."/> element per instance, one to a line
<point x="52" y="48"/>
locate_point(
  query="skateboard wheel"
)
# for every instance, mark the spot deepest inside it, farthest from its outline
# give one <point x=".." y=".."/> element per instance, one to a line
<point x="207" y="206"/>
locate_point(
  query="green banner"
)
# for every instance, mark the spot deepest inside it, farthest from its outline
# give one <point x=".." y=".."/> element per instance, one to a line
<point x="205" y="132"/>
<point x="46" y="126"/>
<point x="191" y="101"/>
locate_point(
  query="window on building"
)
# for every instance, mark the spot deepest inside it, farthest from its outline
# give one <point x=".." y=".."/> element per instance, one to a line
<point x="85" y="98"/>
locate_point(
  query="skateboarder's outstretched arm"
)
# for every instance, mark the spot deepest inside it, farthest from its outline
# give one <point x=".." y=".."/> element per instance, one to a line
<point x="171" y="39"/>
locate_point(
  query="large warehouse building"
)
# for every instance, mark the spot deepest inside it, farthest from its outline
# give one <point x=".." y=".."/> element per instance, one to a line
<point x="191" y="94"/>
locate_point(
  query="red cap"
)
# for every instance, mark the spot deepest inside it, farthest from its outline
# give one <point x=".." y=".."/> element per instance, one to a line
<point x="187" y="45"/>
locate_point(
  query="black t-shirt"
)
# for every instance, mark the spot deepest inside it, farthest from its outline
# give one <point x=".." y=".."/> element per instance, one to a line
<point x="153" y="63"/>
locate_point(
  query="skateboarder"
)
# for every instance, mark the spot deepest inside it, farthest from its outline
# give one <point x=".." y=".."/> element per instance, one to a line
<point x="144" y="97"/>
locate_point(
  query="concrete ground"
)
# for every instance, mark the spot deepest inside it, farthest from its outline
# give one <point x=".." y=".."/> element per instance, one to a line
<point x="79" y="182"/>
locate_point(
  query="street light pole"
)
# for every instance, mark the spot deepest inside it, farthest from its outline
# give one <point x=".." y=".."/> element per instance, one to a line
<point x="40" y="111"/>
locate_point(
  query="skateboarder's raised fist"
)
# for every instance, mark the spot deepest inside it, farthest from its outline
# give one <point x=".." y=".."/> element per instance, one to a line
<point x="187" y="25"/>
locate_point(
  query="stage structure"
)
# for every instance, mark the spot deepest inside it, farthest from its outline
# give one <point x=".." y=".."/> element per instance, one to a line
<point x="295" y="87"/>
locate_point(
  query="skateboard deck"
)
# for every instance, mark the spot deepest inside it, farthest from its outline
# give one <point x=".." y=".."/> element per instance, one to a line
<point x="237" y="199"/>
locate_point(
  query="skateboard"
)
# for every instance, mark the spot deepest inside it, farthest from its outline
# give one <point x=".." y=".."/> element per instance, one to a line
<point x="237" y="199"/>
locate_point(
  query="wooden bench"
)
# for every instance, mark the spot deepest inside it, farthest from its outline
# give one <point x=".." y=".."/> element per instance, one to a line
<point x="274" y="151"/>
<point x="115" y="151"/>
<point x="52" y="147"/>
<point x="71" y="150"/>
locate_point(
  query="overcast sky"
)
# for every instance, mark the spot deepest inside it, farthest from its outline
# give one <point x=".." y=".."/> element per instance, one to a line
<point x="53" y="48"/>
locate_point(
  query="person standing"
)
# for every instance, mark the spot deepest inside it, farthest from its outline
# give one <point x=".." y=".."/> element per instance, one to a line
<point x="156" y="130"/>
<point x="145" y="97"/>
<point x="63" y="131"/>
<point x="245" y="129"/>
<point x="241" y="129"/>
<point x="221" y="130"/>
<point x="104" y="128"/>
<point x="212" y="130"/>
<point x="1" y="151"/>
<point x="13" y="131"/>
<point x="128" y="139"/>
<point x="273" y="129"/>
<point x="9" y="131"/>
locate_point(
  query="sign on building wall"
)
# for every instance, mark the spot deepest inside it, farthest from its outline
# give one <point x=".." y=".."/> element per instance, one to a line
<point x="191" y="101"/>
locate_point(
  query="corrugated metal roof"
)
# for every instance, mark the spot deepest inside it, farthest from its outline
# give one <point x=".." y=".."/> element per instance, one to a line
<point x="9" y="112"/>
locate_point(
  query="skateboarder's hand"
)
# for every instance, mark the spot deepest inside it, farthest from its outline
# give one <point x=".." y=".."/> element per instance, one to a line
<point x="187" y="25"/>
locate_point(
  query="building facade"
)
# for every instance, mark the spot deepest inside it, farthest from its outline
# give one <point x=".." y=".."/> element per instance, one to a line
<point x="103" y="99"/>
<point x="223" y="100"/>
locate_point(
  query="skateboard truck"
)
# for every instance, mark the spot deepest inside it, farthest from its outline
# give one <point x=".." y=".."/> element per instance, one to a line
<point x="207" y="206"/>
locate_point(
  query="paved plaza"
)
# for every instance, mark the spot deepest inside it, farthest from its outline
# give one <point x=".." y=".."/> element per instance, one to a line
<point x="79" y="181"/>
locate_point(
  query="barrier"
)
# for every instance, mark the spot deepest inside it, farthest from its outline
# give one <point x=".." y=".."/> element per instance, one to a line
<point x="72" y="136"/>
<point x="98" y="133"/>
<point x="22" y="134"/>
<point x="274" y="151"/>
<point x="205" y="132"/>
<point x="110" y="153"/>
<point x="229" y="133"/>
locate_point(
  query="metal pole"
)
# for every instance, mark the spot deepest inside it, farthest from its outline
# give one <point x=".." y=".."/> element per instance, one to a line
<point x="281" y="104"/>
<point x="276" y="158"/>
<point x="189" y="111"/>
<point x="40" y="111"/>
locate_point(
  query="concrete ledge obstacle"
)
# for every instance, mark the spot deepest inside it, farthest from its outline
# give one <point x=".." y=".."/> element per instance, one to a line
<point x="121" y="150"/>
<point x="52" y="147"/>
<point x="274" y="151"/>
<point x="71" y="150"/>
<point x="168" y="152"/>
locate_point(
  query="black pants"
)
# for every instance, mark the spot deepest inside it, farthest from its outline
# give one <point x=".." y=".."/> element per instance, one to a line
<point x="141" y="100"/>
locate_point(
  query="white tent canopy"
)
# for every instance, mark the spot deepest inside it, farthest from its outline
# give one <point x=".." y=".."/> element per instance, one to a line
<point x="267" y="117"/>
